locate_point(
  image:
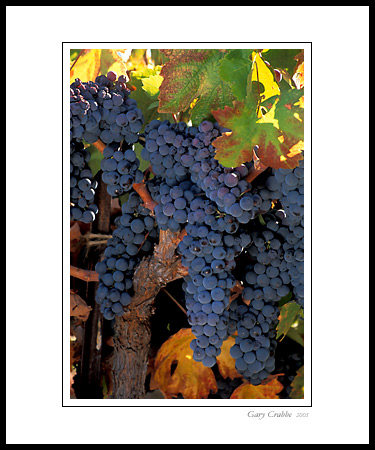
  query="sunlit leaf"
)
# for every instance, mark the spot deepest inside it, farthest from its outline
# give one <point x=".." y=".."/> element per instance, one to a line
<point x="87" y="67"/>
<point x="288" y="314"/>
<point x="96" y="62"/>
<point x="263" y="74"/>
<point x="145" y="84"/>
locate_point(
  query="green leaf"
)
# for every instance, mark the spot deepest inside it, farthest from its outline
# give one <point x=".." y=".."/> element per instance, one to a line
<point x="235" y="68"/>
<point x="287" y="298"/>
<point x="236" y="147"/>
<point x="152" y="84"/>
<point x="143" y="164"/>
<point x="287" y="111"/>
<point x="282" y="59"/>
<point x="146" y="82"/>
<point x="297" y="384"/>
<point x="297" y="333"/>
<point x="157" y="57"/>
<point x="288" y="315"/>
<point x="191" y="75"/>
<point x="95" y="159"/>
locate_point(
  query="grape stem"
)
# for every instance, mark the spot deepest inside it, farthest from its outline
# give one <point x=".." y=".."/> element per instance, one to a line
<point x="175" y="301"/>
<point x="257" y="168"/>
<point x="142" y="191"/>
<point x="75" y="61"/>
<point x="182" y="233"/>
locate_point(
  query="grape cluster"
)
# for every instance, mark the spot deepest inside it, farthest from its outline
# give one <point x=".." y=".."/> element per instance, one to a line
<point x="291" y="184"/>
<point x="232" y="225"/>
<point x="169" y="149"/>
<point x="176" y="205"/>
<point x="209" y="250"/>
<point x="120" y="168"/>
<point x="255" y="343"/>
<point x="133" y="239"/>
<point x="102" y="109"/>
<point x="82" y="184"/>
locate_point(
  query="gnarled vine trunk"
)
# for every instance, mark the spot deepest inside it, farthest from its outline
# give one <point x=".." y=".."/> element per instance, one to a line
<point x="132" y="330"/>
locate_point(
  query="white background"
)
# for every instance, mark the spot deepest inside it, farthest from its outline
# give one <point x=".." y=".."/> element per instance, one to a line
<point x="340" y="207"/>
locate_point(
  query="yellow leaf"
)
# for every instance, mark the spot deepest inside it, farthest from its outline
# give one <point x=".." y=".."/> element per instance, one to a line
<point x="111" y="60"/>
<point x="263" y="74"/>
<point x="190" y="378"/>
<point x="225" y="362"/>
<point x="248" y="391"/>
<point x="87" y="66"/>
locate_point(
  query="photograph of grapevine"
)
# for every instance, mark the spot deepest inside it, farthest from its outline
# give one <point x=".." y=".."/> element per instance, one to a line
<point x="187" y="224"/>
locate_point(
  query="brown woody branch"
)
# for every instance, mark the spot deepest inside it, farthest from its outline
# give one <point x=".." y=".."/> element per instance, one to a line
<point x="83" y="274"/>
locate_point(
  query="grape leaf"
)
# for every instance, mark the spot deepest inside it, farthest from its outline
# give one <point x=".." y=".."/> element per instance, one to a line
<point x="276" y="149"/>
<point x="111" y="60"/>
<point x="225" y="362"/>
<point x="235" y="68"/>
<point x="288" y="315"/>
<point x="286" y="61"/>
<point x="263" y="74"/>
<point x="190" y="378"/>
<point x="152" y="84"/>
<point x="145" y="83"/>
<point x="249" y="391"/>
<point x="189" y="75"/>
<point x="282" y="59"/>
<point x="299" y="76"/>
<point x="297" y="333"/>
<point x="95" y="62"/>
<point x="95" y="159"/>
<point x="297" y="384"/>
<point x="287" y="110"/>
<point x="87" y="66"/>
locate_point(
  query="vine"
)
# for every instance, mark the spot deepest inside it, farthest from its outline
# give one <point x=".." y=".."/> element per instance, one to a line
<point x="206" y="99"/>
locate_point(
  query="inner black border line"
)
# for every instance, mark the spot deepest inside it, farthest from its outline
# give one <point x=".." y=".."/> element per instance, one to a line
<point x="177" y="406"/>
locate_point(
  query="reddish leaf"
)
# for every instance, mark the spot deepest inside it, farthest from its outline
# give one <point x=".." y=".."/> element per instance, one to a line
<point x="189" y="75"/>
<point x="236" y="147"/>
